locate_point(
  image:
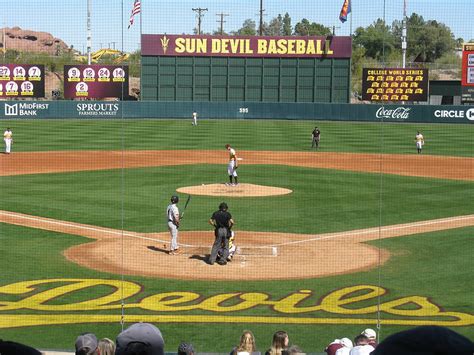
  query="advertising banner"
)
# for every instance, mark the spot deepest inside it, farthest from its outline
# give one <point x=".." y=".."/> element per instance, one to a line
<point x="247" y="46"/>
<point x="21" y="80"/>
<point x="467" y="81"/>
<point x="95" y="81"/>
<point x="394" y="84"/>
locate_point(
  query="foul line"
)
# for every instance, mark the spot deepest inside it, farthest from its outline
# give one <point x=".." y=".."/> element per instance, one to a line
<point x="317" y="238"/>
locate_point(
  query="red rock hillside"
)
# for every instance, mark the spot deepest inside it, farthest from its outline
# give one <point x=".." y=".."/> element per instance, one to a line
<point x="31" y="41"/>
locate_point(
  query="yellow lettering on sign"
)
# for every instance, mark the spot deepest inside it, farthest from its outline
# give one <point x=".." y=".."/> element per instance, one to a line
<point x="40" y="294"/>
<point x="179" y="45"/>
<point x="261" y="46"/>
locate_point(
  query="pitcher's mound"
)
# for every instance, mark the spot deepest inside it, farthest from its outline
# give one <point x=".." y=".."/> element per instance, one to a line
<point x="240" y="190"/>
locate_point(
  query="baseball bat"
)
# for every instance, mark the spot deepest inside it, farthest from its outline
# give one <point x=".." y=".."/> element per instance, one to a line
<point x="186" y="205"/>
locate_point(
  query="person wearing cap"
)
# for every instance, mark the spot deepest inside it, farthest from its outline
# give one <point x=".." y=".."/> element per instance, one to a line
<point x="87" y="344"/>
<point x="173" y="220"/>
<point x="140" y="338"/>
<point x="362" y="346"/>
<point x="372" y="335"/>
<point x="185" y="349"/>
<point x="222" y="222"/>
<point x="346" y="347"/>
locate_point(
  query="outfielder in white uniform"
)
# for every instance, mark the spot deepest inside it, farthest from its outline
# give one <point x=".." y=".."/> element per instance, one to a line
<point x="8" y="139"/>
<point x="420" y="142"/>
<point x="195" y="118"/>
<point x="173" y="218"/>
<point x="232" y="166"/>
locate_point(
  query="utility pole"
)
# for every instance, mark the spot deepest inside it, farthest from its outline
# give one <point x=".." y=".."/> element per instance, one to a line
<point x="221" y="21"/>
<point x="89" y="32"/>
<point x="260" y="27"/>
<point x="199" y="15"/>
<point x="404" y="34"/>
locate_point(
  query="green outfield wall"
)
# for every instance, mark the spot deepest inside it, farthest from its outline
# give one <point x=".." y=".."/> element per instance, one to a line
<point x="236" y="110"/>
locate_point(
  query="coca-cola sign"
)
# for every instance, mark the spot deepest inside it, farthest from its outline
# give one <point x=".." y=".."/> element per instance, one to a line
<point x="399" y="113"/>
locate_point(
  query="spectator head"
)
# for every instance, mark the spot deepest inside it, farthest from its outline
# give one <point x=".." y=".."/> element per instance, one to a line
<point x="293" y="350"/>
<point x="106" y="347"/>
<point x="370" y="333"/>
<point x="140" y="339"/>
<point x="86" y="344"/>
<point x="426" y="340"/>
<point x="346" y="342"/>
<point x="13" y="348"/>
<point x="247" y="342"/>
<point x="280" y="340"/>
<point x="185" y="349"/>
<point x="361" y="340"/>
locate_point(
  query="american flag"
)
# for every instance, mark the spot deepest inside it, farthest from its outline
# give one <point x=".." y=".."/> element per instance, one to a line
<point x="135" y="10"/>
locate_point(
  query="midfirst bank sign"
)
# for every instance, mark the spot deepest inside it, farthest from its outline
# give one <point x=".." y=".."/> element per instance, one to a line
<point x="25" y="108"/>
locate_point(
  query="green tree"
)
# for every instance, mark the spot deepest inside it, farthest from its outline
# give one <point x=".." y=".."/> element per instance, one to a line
<point x="275" y="27"/>
<point x="377" y="40"/>
<point x="305" y="28"/>
<point x="427" y="40"/>
<point x="287" y="29"/>
<point x="248" y="28"/>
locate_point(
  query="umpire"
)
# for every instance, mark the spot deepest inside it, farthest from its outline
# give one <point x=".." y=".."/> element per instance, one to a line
<point x="222" y="222"/>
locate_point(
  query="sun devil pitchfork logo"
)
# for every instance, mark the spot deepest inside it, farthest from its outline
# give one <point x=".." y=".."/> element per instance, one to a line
<point x="165" y="43"/>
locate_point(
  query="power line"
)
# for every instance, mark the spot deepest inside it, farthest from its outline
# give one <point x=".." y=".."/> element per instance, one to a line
<point x="221" y="21"/>
<point x="200" y="14"/>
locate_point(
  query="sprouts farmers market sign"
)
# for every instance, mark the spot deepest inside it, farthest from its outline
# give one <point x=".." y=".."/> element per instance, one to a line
<point x="48" y="302"/>
<point x="246" y="46"/>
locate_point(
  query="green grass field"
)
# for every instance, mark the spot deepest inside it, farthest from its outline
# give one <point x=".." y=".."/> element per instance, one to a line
<point x="436" y="266"/>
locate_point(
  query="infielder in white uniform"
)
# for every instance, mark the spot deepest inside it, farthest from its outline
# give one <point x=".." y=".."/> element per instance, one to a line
<point x="195" y="118"/>
<point x="232" y="166"/>
<point x="420" y="142"/>
<point x="172" y="215"/>
<point x="8" y="138"/>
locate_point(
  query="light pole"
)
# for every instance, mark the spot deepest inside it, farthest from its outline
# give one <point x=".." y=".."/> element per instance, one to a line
<point x="89" y="32"/>
<point x="404" y="34"/>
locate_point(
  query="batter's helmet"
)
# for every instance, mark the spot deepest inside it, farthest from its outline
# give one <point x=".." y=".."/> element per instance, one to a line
<point x="223" y="207"/>
<point x="174" y="199"/>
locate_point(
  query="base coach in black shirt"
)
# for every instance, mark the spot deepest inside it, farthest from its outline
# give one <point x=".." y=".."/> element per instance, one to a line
<point x="222" y="222"/>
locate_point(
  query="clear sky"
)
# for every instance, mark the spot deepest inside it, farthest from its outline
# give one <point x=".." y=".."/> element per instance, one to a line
<point x="67" y="19"/>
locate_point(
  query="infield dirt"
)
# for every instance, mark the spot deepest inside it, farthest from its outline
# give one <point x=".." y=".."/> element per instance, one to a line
<point x="146" y="253"/>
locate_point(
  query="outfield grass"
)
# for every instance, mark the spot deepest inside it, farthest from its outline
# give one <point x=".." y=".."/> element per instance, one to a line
<point x="46" y="135"/>
<point x="435" y="265"/>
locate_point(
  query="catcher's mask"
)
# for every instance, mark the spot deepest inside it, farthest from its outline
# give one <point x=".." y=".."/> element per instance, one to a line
<point x="174" y="199"/>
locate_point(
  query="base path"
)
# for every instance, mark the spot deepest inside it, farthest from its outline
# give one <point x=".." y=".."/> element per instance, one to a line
<point x="444" y="167"/>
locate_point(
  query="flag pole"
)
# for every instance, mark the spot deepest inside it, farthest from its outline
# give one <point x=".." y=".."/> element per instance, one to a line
<point x="141" y="32"/>
<point x="351" y="19"/>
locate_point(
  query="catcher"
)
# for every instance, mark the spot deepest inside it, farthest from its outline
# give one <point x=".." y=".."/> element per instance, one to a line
<point x="232" y="249"/>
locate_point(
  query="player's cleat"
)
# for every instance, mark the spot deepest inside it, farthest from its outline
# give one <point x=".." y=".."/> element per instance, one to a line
<point x="228" y="184"/>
